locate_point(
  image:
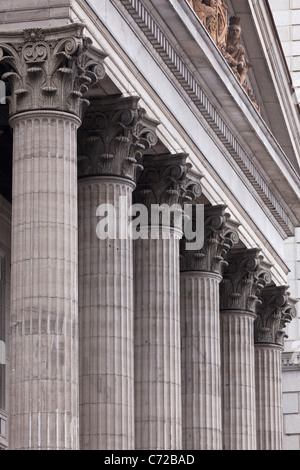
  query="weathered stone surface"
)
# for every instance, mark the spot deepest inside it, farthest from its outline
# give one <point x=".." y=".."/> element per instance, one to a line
<point x="200" y="331"/>
<point x="158" y="408"/>
<point x="244" y="278"/>
<point x="158" y="415"/>
<point x="268" y="382"/>
<point x="201" y="361"/>
<point x="44" y="310"/>
<point x="226" y="34"/>
<point x="220" y="234"/>
<point x="164" y="180"/>
<point x="50" y="68"/>
<point x="238" y="380"/>
<point x="113" y="138"/>
<point x="48" y="71"/>
<point x="275" y="311"/>
<point x="105" y="320"/>
<point x="114" y="135"/>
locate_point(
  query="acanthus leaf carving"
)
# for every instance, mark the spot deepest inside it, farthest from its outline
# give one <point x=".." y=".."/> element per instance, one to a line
<point x="114" y="135"/>
<point x="50" y="70"/>
<point x="220" y="235"/>
<point x="164" y="180"/>
<point x="243" y="280"/>
<point x="167" y="181"/>
<point x="277" y="309"/>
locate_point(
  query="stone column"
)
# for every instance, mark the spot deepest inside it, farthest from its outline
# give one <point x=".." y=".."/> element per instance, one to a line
<point x="275" y="311"/>
<point x="243" y="280"/>
<point x="201" y="273"/>
<point x="48" y="72"/>
<point x="158" y="419"/>
<point x="114" y="135"/>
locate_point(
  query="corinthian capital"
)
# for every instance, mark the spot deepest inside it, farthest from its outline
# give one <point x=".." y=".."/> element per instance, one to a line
<point x="113" y="137"/>
<point x="50" y="69"/>
<point x="244" y="278"/>
<point x="164" y="180"/>
<point x="220" y="234"/>
<point x="277" y="309"/>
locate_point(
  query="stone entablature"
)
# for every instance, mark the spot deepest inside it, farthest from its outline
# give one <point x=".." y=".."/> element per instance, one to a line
<point x="182" y="71"/>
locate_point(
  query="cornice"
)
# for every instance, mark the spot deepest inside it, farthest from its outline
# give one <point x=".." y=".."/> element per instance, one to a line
<point x="262" y="13"/>
<point x="183" y="73"/>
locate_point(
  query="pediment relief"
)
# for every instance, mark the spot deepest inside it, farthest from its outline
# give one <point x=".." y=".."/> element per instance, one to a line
<point x="226" y="33"/>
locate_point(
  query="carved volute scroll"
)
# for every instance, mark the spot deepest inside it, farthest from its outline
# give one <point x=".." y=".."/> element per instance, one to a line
<point x="220" y="234"/>
<point x="50" y="69"/>
<point x="163" y="180"/>
<point x="114" y="135"/>
<point x="166" y="180"/>
<point x="277" y="309"/>
<point x="243" y="280"/>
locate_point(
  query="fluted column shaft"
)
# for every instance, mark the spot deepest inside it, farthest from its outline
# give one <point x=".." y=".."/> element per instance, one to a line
<point x="244" y="278"/>
<point x="269" y="396"/>
<point x="201" y="273"/>
<point x="201" y="362"/>
<point x="162" y="186"/>
<point x="238" y="380"/>
<point x="158" y="417"/>
<point x="44" y="349"/>
<point x="275" y="311"/>
<point x="114" y="134"/>
<point x="105" y="319"/>
<point x="49" y="72"/>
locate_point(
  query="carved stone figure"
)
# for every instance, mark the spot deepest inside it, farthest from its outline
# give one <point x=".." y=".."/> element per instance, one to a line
<point x="235" y="56"/>
<point x="235" y="52"/>
<point x="222" y="18"/>
<point x="213" y="15"/>
<point x="205" y="10"/>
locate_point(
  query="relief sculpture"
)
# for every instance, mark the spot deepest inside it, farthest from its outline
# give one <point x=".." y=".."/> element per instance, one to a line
<point x="213" y="15"/>
<point x="226" y="34"/>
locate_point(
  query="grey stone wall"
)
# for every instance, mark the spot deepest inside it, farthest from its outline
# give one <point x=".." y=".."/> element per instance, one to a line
<point x="287" y="18"/>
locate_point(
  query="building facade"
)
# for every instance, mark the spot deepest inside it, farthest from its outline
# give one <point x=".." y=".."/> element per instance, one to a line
<point x="118" y="330"/>
<point x="287" y="20"/>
